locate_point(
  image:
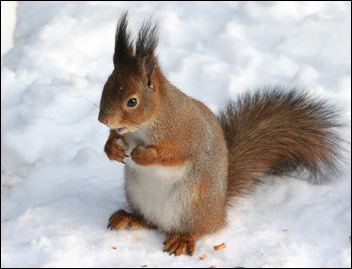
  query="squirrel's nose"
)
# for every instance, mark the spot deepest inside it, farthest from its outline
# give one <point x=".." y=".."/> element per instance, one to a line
<point x="103" y="118"/>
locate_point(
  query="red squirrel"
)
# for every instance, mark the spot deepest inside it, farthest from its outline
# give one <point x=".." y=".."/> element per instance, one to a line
<point x="183" y="164"/>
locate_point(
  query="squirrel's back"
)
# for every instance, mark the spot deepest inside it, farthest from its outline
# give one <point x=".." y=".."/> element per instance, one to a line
<point x="277" y="131"/>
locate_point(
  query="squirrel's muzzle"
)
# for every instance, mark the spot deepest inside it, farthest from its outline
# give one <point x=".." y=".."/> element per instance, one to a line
<point x="103" y="118"/>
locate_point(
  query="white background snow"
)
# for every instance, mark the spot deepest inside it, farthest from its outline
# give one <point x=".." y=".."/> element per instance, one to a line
<point x="58" y="188"/>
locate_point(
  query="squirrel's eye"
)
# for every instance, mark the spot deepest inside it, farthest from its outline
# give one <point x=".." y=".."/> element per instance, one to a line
<point x="132" y="102"/>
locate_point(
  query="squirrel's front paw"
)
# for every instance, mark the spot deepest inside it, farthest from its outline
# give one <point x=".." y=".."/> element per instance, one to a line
<point x="144" y="156"/>
<point x="115" y="151"/>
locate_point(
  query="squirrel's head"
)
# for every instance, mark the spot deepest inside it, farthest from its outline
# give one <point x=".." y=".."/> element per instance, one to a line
<point x="131" y="95"/>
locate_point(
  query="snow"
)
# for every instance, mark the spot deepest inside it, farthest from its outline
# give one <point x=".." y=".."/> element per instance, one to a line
<point x="8" y="19"/>
<point x="58" y="187"/>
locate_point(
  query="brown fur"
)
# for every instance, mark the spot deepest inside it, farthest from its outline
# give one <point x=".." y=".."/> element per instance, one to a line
<point x="211" y="207"/>
<point x="158" y="153"/>
<point x="267" y="132"/>
<point x="278" y="132"/>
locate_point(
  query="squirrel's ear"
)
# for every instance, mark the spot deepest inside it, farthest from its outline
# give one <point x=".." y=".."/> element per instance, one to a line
<point x="145" y="51"/>
<point x="149" y="66"/>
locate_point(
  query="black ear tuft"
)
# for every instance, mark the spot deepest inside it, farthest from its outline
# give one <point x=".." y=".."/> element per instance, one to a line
<point x="147" y="39"/>
<point x="123" y="44"/>
<point x="145" y="50"/>
<point x="142" y="59"/>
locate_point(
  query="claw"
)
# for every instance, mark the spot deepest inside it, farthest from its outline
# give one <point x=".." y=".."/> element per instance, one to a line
<point x="179" y="245"/>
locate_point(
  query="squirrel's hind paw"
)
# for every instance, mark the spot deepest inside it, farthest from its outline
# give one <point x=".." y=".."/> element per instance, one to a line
<point x="179" y="245"/>
<point x="122" y="220"/>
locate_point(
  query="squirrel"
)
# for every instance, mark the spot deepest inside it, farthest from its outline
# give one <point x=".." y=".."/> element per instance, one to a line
<point x="184" y="165"/>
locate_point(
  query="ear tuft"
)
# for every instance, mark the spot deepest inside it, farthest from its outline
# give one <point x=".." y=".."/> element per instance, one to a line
<point x="147" y="39"/>
<point x="140" y="56"/>
<point x="123" y="44"/>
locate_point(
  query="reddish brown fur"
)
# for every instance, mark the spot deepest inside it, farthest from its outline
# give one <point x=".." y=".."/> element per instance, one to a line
<point x="158" y="153"/>
<point x="204" y="201"/>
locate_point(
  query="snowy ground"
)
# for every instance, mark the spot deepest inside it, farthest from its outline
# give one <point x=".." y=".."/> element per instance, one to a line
<point x="8" y="20"/>
<point x="59" y="189"/>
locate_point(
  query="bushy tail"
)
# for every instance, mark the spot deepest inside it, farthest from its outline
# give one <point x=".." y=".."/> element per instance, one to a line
<point x="278" y="132"/>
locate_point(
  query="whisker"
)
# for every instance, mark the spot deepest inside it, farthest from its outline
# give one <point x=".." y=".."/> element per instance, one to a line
<point x="93" y="113"/>
<point x="90" y="101"/>
<point x="137" y="125"/>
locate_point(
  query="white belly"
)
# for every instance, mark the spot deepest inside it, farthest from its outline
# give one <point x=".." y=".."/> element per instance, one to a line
<point x="150" y="190"/>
